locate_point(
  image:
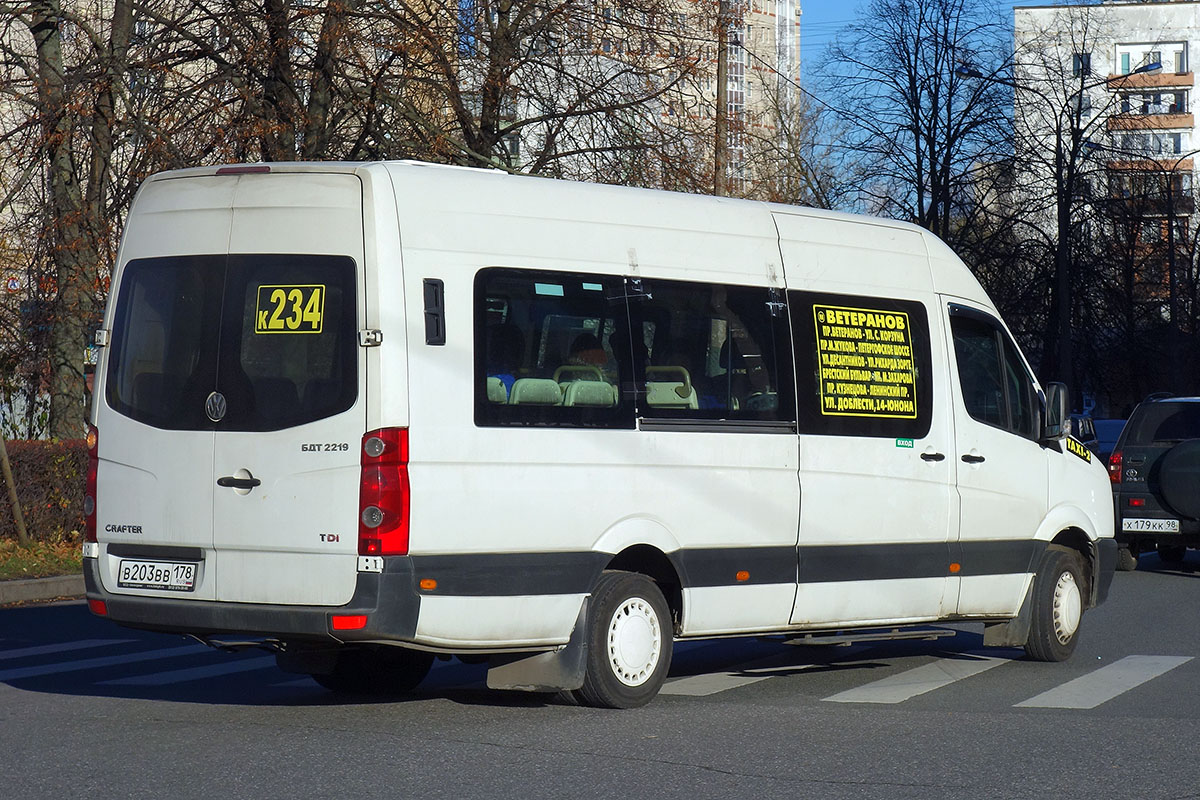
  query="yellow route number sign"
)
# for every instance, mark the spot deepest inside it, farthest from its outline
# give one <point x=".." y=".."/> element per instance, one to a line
<point x="290" y="309"/>
<point x="866" y="361"/>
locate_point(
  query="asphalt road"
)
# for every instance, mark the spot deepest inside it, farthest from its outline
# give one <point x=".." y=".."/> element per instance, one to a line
<point x="88" y="709"/>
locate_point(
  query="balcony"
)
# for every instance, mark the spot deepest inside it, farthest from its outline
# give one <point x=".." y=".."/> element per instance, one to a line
<point x="1135" y="121"/>
<point x="1153" y="165"/>
<point x="1154" y="205"/>
<point x="1163" y="80"/>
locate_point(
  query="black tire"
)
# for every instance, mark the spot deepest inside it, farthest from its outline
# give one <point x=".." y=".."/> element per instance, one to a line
<point x="1127" y="558"/>
<point x="1057" y="605"/>
<point x="629" y="636"/>
<point x="377" y="670"/>
<point x="1171" y="553"/>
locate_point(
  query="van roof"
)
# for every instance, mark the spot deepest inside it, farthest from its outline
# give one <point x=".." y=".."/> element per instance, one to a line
<point x="486" y="202"/>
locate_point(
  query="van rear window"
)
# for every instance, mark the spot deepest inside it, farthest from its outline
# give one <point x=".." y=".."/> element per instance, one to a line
<point x="274" y="335"/>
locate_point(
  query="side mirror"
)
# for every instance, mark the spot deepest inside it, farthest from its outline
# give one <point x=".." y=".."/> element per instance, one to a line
<point x="1057" y="421"/>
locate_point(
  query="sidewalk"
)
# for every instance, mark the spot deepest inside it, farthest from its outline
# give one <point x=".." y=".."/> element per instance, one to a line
<point x="38" y="589"/>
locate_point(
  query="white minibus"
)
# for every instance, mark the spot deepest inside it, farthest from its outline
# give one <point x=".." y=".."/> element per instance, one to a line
<point x="369" y="415"/>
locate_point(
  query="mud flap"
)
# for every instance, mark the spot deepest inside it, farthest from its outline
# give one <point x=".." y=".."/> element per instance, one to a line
<point x="1013" y="632"/>
<point x="554" y="671"/>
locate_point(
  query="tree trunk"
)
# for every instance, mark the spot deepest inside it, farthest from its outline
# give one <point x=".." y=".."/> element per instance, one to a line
<point x="72" y="250"/>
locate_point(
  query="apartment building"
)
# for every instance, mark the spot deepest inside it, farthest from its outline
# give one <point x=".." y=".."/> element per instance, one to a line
<point x="763" y="80"/>
<point x="1111" y="86"/>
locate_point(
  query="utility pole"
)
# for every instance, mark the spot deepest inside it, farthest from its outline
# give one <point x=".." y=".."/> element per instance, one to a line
<point x="721" y="144"/>
<point x="1173" y="333"/>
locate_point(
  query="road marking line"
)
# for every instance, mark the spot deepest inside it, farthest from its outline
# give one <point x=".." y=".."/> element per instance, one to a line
<point x="96" y="663"/>
<point x="704" y="685"/>
<point x="60" y="647"/>
<point x="714" y="682"/>
<point x="194" y="673"/>
<point x="1089" y="691"/>
<point x="910" y="683"/>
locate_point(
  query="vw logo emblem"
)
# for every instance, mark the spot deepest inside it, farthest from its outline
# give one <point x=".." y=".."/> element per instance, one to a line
<point x="215" y="406"/>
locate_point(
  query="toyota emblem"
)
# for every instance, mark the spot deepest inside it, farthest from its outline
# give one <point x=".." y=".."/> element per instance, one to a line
<point x="215" y="406"/>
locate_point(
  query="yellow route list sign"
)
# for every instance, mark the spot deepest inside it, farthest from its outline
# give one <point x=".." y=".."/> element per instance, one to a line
<point x="866" y="362"/>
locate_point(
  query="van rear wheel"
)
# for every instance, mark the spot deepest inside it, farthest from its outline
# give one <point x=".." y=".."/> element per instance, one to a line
<point x="629" y="636"/>
<point x="1058" y="602"/>
<point x="377" y="670"/>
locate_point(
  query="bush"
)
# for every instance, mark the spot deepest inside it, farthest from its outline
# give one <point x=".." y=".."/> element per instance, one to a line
<point x="50" y="478"/>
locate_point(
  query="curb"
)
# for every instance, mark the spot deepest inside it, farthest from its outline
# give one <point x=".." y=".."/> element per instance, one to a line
<point x="37" y="589"/>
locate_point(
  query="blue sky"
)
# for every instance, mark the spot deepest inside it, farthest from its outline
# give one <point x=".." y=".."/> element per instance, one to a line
<point x="822" y="19"/>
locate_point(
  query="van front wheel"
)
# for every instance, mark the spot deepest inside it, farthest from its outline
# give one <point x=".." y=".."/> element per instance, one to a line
<point x="377" y="670"/>
<point x="629" y="635"/>
<point x="1058" y="600"/>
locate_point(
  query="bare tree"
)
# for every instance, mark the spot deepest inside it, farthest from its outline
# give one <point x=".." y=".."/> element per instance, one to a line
<point x="552" y="87"/>
<point x="920" y="127"/>
<point x="95" y="97"/>
<point x="71" y="105"/>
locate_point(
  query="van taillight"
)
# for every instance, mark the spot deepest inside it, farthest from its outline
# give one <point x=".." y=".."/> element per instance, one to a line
<point x="1114" y="466"/>
<point x="89" y="494"/>
<point x="383" y="494"/>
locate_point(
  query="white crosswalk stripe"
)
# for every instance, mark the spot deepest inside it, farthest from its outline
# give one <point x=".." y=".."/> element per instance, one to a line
<point x="714" y="682"/>
<point x="96" y="663"/>
<point x="1089" y="691"/>
<point x="194" y="673"/>
<point x="60" y="647"/>
<point x="913" y="682"/>
<point x="1085" y="692"/>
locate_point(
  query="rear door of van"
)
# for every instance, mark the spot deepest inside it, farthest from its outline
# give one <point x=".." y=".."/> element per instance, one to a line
<point x="290" y="374"/>
<point x="240" y="417"/>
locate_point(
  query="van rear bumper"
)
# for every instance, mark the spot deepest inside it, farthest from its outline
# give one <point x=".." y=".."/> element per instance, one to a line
<point x="388" y="599"/>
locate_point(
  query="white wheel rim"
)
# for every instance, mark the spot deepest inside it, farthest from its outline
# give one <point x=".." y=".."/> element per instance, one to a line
<point x="1068" y="607"/>
<point x="634" y="641"/>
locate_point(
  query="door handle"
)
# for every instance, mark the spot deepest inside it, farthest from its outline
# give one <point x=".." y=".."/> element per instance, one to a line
<point x="230" y="482"/>
<point x="933" y="456"/>
<point x="973" y="459"/>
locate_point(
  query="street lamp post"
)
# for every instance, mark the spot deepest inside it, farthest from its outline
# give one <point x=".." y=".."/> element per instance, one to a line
<point x="1058" y="361"/>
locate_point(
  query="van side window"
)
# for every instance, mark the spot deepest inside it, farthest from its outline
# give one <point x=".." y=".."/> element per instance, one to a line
<point x="996" y="387"/>
<point x="711" y="351"/>
<point x="551" y="348"/>
<point x="863" y="365"/>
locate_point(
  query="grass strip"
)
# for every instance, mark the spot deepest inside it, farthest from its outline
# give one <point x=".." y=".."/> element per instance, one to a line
<point x="40" y="560"/>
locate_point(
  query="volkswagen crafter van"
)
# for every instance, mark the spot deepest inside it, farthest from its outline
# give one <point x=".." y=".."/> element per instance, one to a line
<point x="367" y="415"/>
